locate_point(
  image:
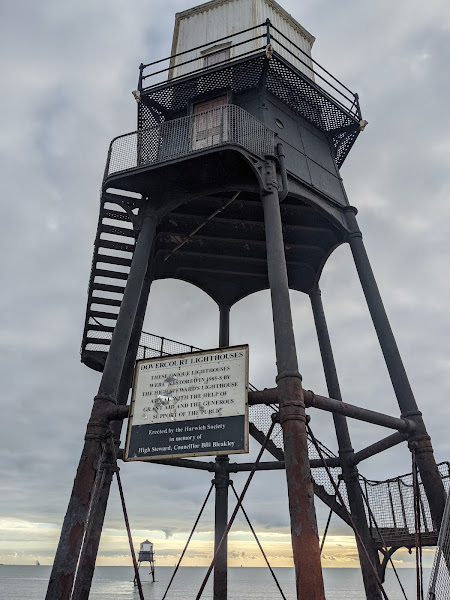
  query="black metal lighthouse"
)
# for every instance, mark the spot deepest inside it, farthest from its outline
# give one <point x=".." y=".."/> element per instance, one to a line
<point x="231" y="183"/>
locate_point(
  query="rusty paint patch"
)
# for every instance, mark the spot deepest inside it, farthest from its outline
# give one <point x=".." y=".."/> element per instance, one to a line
<point x="305" y="541"/>
<point x="75" y="534"/>
<point x="297" y="529"/>
<point x="85" y="478"/>
<point x="66" y="586"/>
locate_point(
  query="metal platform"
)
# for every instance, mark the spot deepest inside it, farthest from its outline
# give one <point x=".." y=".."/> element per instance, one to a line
<point x="320" y="98"/>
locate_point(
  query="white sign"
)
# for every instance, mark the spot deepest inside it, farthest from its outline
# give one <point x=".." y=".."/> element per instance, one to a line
<point x="189" y="405"/>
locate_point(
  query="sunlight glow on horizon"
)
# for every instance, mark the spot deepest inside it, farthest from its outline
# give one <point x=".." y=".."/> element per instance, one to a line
<point x="23" y="542"/>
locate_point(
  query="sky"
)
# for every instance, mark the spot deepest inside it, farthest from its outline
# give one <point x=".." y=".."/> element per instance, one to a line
<point x="68" y="70"/>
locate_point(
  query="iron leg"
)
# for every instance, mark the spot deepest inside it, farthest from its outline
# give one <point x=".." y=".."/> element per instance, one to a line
<point x="304" y="535"/>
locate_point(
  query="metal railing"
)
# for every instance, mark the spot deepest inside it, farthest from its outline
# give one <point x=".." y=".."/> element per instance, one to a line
<point x="262" y="38"/>
<point x="391" y="503"/>
<point x="226" y="124"/>
<point x="439" y="588"/>
<point x="392" y="517"/>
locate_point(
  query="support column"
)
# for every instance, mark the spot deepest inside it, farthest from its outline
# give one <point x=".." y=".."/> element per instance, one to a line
<point x="420" y="440"/>
<point x="346" y="452"/>
<point x="305" y="539"/>
<point x="96" y="516"/>
<point x="65" y="563"/>
<point x="221" y="482"/>
<point x="224" y="326"/>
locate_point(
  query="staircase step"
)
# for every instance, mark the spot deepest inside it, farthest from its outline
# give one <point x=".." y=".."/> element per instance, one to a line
<point x="118" y="230"/>
<point x="108" y="213"/>
<point x="116" y="245"/>
<point x="104" y="287"/>
<point x="92" y="327"/>
<point x="105" y="301"/>
<point x="115" y="260"/>
<point x="110" y="274"/>
<point x="102" y="315"/>
<point x="99" y="341"/>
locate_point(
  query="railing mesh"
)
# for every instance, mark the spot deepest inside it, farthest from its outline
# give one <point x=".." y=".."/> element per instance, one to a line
<point x="392" y="506"/>
<point x="150" y="346"/>
<point x="226" y="124"/>
<point x="391" y="515"/>
<point x="439" y="588"/>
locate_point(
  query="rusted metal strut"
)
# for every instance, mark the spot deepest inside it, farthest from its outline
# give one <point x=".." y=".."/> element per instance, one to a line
<point x="312" y="400"/>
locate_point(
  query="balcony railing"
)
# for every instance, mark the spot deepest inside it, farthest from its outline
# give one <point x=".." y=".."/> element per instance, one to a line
<point x="226" y="124"/>
<point x="247" y="44"/>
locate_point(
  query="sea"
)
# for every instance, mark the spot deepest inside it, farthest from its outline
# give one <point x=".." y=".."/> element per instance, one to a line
<point x="244" y="583"/>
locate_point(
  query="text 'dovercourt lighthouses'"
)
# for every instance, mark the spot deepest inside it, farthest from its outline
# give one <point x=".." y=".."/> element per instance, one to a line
<point x="231" y="183"/>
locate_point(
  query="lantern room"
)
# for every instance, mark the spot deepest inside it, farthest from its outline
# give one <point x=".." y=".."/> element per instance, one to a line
<point x="217" y="31"/>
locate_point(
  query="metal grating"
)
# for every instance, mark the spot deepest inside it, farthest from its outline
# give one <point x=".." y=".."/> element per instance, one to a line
<point x="167" y="99"/>
<point x="392" y="505"/>
<point x="342" y="144"/>
<point x="283" y="80"/>
<point x="226" y="124"/>
<point x="307" y="99"/>
<point x="153" y="345"/>
<point x="261" y="416"/>
<point x="391" y="516"/>
<point x="439" y="588"/>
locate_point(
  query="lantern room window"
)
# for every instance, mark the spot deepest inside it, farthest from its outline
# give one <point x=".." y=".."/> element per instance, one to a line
<point x="216" y="54"/>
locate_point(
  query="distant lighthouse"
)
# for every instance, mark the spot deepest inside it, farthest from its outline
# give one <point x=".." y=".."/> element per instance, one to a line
<point x="146" y="555"/>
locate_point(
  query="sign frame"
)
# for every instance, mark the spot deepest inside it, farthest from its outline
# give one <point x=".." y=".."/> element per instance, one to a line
<point x="189" y="357"/>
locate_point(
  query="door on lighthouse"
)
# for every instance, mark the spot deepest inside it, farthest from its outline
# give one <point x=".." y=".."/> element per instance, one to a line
<point x="210" y="123"/>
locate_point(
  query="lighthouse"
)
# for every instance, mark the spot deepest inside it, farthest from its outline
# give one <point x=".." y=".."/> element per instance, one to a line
<point x="146" y="555"/>
<point x="232" y="183"/>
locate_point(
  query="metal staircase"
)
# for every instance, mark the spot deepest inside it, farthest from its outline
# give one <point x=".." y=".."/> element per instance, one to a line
<point x="113" y="252"/>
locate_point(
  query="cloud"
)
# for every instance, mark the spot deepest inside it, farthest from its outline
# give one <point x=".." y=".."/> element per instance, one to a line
<point x="168" y="533"/>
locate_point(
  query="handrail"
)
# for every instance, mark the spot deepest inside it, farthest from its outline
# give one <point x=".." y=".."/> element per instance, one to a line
<point x="309" y="67"/>
<point x="317" y="74"/>
<point x="196" y="59"/>
<point x="227" y="37"/>
<point x="227" y="124"/>
<point x="311" y="59"/>
<point x="173" y="56"/>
